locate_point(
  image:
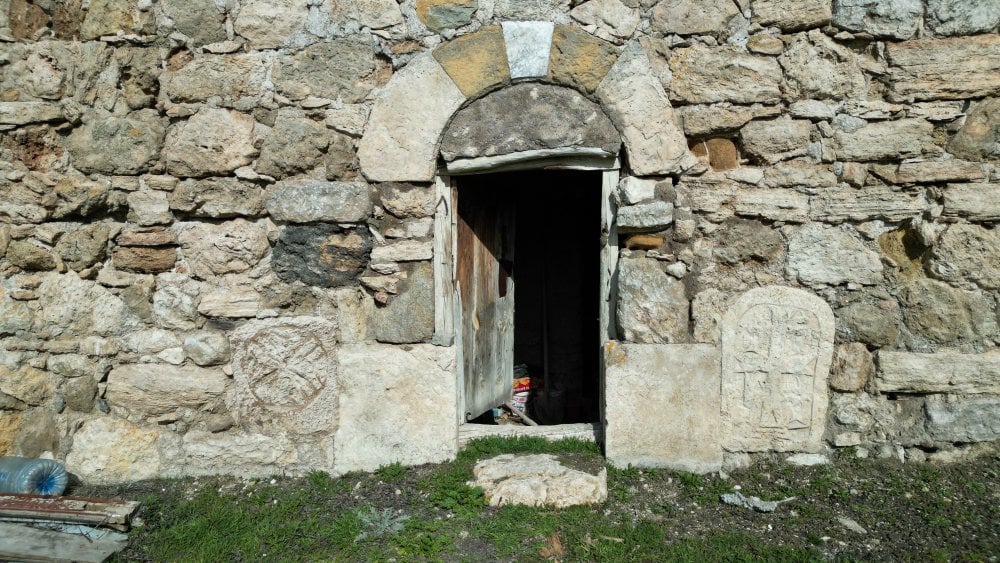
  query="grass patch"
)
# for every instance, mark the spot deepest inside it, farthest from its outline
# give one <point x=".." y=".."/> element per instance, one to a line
<point x="430" y="513"/>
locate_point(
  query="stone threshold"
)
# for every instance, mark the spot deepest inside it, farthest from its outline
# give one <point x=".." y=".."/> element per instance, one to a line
<point x="589" y="431"/>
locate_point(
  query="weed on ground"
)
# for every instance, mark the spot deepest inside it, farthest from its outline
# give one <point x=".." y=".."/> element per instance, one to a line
<point x="848" y="510"/>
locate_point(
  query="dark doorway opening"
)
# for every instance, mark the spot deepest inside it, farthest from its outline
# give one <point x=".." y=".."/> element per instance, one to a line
<point x="542" y="232"/>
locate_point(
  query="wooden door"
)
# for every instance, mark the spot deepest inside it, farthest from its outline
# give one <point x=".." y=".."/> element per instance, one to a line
<point x="485" y="288"/>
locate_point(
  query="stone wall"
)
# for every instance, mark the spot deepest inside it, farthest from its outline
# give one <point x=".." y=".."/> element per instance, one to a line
<point x="217" y="216"/>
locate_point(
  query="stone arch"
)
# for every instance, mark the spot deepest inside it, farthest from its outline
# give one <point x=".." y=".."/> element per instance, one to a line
<point x="403" y="135"/>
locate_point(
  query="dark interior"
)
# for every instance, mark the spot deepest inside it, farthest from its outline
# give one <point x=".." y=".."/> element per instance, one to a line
<point x="556" y="272"/>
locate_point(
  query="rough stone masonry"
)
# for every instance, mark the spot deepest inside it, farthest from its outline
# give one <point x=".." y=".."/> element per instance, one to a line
<point x="218" y="239"/>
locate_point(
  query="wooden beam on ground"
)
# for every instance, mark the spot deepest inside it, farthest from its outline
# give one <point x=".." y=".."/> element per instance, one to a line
<point x="112" y="513"/>
<point x="19" y="542"/>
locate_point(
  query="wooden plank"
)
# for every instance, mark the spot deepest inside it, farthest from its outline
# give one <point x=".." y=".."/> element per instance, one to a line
<point x="444" y="281"/>
<point x="24" y="543"/>
<point x="485" y="239"/>
<point x="78" y="510"/>
<point x="609" y="256"/>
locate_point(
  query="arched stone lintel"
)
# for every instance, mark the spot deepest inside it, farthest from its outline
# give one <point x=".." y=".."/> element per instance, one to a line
<point x="401" y="140"/>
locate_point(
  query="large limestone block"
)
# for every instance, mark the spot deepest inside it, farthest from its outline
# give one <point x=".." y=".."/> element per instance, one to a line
<point x="979" y="137"/>
<point x="109" y="144"/>
<point x="400" y="142"/>
<point x="840" y="204"/>
<point x="437" y="15"/>
<point x="652" y="306"/>
<point x="704" y="75"/>
<point x="216" y="249"/>
<point x="218" y="198"/>
<point x="972" y="419"/>
<point x="898" y="19"/>
<point x="528" y="45"/>
<point x="15" y="316"/>
<point x="295" y="144"/>
<point x="233" y="303"/>
<point x="151" y="390"/>
<point x="231" y="78"/>
<point x="792" y="15"/>
<point x="853" y="366"/>
<point x="110" y="17"/>
<point x="962" y="17"/>
<point x="780" y="204"/>
<point x="818" y="254"/>
<point x="941" y="372"/>
<point x="111" y="450"/>
<point x="203" y="22"/>
<point x="10" y="424"/>
<point x="649" y="216"/>
<point x="703" y="121"/>
<point x="578" y="59"/>
<point x="269" y="24"/>
<point x="929" y="172"/>
<point x="235" y="453"/>
<point x="373" y="14"/>
<point x="934" y="310"/>
<point x="770" y="140"/>
<point x="975" y="202"/>
<point x="27" y="384"/>
<point x="700" y="17"/>
<point x="777" y="347"/>
<point x="212" y="142"/>
<point x="343" y="68"/>
<point x="308" y="201"/>
<point x="944" y="69"/>
<point x="817" y="67"/>
<point x="968" y="253"/>
<point x="539" y="10"/>
<point x="23" y="113"/>
<point x="885" y="140"/>
<point x="82" y="306"/>
<point x="527" y="117"/>
<point x="284" y="374"/>
<point x="637" y="104"/>
<point x="409" y="316"/>
<point x="76" y="195"/>
<point x="538" y="480"/>
<point x="401" y="408"/>
<point x="609" y="19"/>
<point x="663" y="406"/>
<point x="475" y="61"/>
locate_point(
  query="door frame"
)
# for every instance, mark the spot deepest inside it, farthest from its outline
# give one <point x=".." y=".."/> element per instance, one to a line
<point x="447" y="317"/>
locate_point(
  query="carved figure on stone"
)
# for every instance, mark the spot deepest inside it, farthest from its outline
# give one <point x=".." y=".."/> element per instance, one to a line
<point x="777" y="346"/>
<point x="281" y="369"/>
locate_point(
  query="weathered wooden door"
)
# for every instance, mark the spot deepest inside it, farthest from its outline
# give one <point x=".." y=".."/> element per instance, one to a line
<point x="485" y="288"/>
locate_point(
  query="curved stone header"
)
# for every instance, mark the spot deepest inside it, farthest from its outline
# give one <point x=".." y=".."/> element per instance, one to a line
<point x="400" y="142"/>
<point x="525" y="117"/>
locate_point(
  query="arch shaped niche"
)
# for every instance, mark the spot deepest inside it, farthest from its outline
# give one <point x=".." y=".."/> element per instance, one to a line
<point x="403" y="135"/>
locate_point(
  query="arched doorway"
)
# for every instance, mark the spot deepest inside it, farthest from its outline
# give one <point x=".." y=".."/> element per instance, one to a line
<point x="486" y="103"/>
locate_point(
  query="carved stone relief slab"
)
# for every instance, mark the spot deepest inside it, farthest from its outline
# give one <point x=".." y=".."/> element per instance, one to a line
<point x="777" y="345"/>
<point x="283" y="373"/>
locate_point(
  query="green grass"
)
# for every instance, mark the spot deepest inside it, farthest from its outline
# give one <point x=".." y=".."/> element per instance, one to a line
<point x="432" y="513"/>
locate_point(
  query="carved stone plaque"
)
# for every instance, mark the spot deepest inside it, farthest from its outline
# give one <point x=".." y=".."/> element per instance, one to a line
<point x="281" y="367"/>
<point x="777" y="345"/>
